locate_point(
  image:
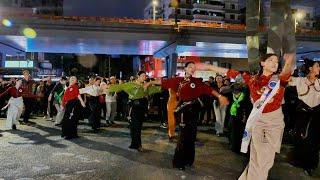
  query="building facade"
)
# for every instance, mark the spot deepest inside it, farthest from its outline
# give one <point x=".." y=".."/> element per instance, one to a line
<point x="306" y="18"/>
<point x="224" y="11"/>
<point x="47" y="7"/>
<point x="212" y="11"/>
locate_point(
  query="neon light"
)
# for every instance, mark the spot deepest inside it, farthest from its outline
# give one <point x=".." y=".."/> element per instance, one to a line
<point x="6" y="22"/>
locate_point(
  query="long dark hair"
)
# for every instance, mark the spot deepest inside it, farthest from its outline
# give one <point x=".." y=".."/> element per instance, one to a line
<point x="308" y="63"/>
<point x="263" y="59"/>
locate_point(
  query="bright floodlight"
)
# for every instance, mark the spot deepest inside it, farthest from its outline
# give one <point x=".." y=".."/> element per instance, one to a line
<point x="6" y="23"/>
<point x="155" y="2"/>
<point x="29" y="33"/>
<point x="299" y="15"/>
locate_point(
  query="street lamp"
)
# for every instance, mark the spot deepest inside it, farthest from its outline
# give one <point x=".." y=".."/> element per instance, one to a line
<point x="298" y="16"/>
<point x="154" y="5"/>
<point x="175" y="4"/>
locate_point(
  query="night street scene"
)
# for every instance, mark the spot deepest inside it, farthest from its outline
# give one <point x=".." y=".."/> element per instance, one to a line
<point x="159" y="89"/>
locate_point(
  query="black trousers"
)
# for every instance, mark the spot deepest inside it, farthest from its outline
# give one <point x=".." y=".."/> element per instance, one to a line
<point x="94" y="118"/>
<point x="70" y="120"/>
<point x="28" y="105"/>
<point x="236" y="129"/>
<point x="185" y="150"/>
<point x="138" y="111"/>
<point x="307" y="138"/>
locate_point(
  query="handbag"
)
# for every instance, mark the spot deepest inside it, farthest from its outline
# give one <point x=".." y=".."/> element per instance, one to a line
<point x="102" y="99"/>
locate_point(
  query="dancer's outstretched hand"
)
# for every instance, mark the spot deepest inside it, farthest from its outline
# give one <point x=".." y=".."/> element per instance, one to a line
<point x="223" y="101"/>
<point x="83" y="104"/>
<point x="289" y="56"/>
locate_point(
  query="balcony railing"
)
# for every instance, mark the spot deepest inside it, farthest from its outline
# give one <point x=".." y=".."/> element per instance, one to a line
<point x="208" y="6"/>
<point x="207" y="17"/>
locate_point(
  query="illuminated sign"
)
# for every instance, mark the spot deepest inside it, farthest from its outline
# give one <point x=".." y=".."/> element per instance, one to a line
<point x="18" y="64"/>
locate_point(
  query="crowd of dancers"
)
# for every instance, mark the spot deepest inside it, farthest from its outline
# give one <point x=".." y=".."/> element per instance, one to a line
<point x="250" y="111"/>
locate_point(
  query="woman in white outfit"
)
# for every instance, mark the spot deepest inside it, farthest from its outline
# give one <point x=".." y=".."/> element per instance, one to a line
<point x="15" y="105"/>
<point x="219" y="110"/>
<point x="307" y="112"/>
<point x="111" y="102"/>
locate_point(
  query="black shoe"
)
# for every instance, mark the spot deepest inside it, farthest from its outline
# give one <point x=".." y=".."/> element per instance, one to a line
<point x="140" y="149"/>
<point x="71" y="137"/>
<point x="14" y="127"/>
<point x="172" y="139"/>
<point x="190" y="166"/>
<point x="68" y="138"/>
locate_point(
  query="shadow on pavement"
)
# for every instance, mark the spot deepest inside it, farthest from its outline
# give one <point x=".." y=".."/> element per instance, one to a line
<point x="37" y="138"/>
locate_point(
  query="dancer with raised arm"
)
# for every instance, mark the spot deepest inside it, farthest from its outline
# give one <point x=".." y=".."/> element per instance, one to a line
<point x="138" y="92"/>
<point x="188" y="89"/>
<point x="265" y="124"/>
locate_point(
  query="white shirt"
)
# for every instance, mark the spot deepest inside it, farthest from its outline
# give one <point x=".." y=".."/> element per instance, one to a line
<point x="92" y="90"/>
<point x="111" y="97"/>
<point x="312" y="99"/>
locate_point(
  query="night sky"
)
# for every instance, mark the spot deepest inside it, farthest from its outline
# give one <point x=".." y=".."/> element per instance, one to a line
<point x="110" y="8"/>
<point x="123" y="8"/>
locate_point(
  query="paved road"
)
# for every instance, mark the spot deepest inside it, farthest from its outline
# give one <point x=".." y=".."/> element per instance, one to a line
<point x="38" y="152"/>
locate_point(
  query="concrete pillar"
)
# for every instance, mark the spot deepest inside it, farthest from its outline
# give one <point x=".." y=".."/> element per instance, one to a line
<point x="136" y="64"/>
<point x="171" y="64"/>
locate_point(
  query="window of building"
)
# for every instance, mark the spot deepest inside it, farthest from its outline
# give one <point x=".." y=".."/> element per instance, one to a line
<point x="308" y="15"/>
<point x="188" y="12"/>
<point x="233" y="6"/>
<point x="201" y="1"/>
<point x="314" y="25"/>
<point x="178" y="11"/>
<point x="308" y="24"/>
<point x="188" y="1"/>
<point x="18" y="64"/>
<point x="232" y="16"/>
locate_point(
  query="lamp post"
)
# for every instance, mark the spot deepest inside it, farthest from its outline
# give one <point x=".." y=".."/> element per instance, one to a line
<point x="297" y="17"/>
<point x="154" y="5"/>
<point x="175" y="4"/>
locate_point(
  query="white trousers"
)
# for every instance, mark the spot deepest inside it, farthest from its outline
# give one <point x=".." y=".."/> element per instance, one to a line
<point x="220" y="113"/>
<point x="60" y="114"/>
<point x="111" y="111"/>
<point x="14" y="111"/>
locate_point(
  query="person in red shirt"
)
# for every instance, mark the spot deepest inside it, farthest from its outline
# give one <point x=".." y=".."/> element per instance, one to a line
<point x="188" y="89"/>
<point x="267" y="129"/>
<point x="27" y="95"/>
<point x="70" y="100"/>
<point x="15" y="105"/>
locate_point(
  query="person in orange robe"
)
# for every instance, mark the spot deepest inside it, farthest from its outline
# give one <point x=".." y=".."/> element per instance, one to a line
<point x="171" y="106"/>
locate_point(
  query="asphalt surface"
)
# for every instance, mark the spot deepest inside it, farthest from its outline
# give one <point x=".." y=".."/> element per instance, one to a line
<point x="38" y="152"/>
